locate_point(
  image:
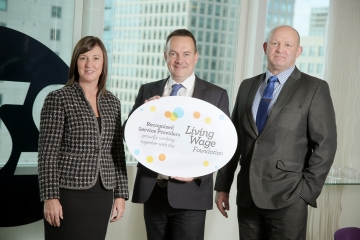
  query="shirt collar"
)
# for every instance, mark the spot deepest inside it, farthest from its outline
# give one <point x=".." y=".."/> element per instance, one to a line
<point x="187" y="83"/>
<point x="282" y="77"/>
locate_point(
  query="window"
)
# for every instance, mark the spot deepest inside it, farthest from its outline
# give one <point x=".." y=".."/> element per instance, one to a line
<point x="29" y="17"/>
<point x="225" y="10"/>
<point x="207" y="20"/>
<point x="199" y="63"/>
<point x="311" y="68"/>
<point x="222" y="52"/>
<point x="276" y="6"/>
<point x="207" y="50"/>
<point x="224" y="24"/>
<point x="208" y="23"/>
<point x="215" y="38"/>
<point x="200" y="36"/>
<point x="3" y="5"/>
<point x="210" y="9"/>
<point x="304" y="51"/>
<point x="308" y="18"/>
<point x="213" y="64"/>
<point x="199" y="47"/>
<point x="214" y="51"/>
<point x="212" y="77"/>
<point x="193" y="20"/>
<point x="217" y="24"/>
<point x="206" y="65"/>
<point x="319" y="68"/>
<point x="275" y="19"/>
<point x="312" y="51"/>
<point x="223" y="38"/>
<point x="282" y="19"/>
<point x="55" y="34"/>
<point x="290" y="7"/>
<point x="208" y="36"/>
<point x="56" y="12"/>
<point x="202" y="8"/>
<point x="201" y="22"/>
<point x="302" y="67"/>
<point x="217" y="11"/>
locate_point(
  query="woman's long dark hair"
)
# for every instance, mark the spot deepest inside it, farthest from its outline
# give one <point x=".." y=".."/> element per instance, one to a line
<point x="84" y="45"/>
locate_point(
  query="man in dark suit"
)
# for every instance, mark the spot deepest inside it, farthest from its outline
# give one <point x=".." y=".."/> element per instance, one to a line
<point x="286" y="129"/>
<point x="175" y="207"/>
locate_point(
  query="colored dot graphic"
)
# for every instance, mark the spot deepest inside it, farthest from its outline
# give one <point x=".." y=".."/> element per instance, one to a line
<point x="207" y="120"/>
<point x="177" y="113"/>
<point x="137" y="152"/>
<point x="173" y="117"/>
<point x="149" y="159"/>
<point x="168" y="114"/>
<point x="206" y="163"/>
<point x="221" y="117"/>
<point x="196" y="115"/>
<point x="153" y="108"/>
<point x="162" y="157"/>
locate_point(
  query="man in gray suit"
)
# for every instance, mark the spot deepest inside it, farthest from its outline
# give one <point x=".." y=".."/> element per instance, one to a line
<point x="175" y="207"/>
<point x="286" y="129"/>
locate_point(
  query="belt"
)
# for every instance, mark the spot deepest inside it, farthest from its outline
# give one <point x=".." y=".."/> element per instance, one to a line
<point x="162" y="182"/>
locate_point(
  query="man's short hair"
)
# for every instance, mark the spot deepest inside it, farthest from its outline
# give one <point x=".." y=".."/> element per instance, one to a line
<point x="181" y="33"/>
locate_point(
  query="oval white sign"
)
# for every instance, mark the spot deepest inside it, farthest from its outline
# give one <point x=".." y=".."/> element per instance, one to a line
<point x="180" y="136"/>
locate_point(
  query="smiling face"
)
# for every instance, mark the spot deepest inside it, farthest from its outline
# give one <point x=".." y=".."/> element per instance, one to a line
<point x="90" y="65"/>
<point x="282" y="49"/>
<point x="180" y="57"/>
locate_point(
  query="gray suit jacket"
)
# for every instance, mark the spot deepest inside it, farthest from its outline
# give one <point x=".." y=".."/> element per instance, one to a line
<point x="293" y="154"/>
<point x="195" y="195"/>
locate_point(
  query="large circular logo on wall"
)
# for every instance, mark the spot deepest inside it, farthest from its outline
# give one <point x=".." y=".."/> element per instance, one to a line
<point x="23" y="59"/>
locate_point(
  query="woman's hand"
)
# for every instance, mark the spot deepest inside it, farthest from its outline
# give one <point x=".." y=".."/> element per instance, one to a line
<point x="53" y="212"/>
<point x="118" y="209"/>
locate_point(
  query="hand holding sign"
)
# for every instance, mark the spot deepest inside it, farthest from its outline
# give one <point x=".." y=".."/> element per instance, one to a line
<point x="180" y="136"/>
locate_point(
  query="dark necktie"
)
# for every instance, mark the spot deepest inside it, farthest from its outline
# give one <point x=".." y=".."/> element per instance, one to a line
<point x="262" y="113"/>
<point x="175" y="89"/>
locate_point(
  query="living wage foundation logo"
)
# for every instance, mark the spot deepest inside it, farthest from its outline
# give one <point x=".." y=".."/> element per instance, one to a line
<point x="174" y="115"/>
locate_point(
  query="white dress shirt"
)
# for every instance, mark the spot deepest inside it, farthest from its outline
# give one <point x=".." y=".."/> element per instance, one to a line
<point x="187" y="91"/>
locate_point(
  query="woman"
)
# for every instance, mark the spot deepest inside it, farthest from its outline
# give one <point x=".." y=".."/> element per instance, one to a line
<point x="81" y="148"/>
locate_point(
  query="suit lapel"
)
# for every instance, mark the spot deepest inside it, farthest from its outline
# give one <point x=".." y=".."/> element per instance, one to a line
<point x="199" y="87"/>
<point x="254" y="88"/>
<point x="160" y="86"/>
<point x="286" y="92"/>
